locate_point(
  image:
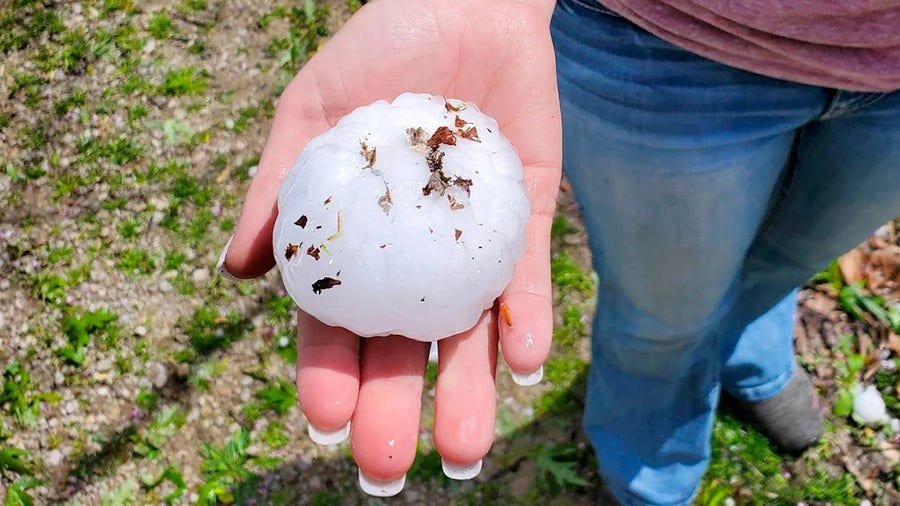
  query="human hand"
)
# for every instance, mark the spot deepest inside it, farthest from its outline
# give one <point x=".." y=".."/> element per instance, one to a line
<point x="499" y="56"/>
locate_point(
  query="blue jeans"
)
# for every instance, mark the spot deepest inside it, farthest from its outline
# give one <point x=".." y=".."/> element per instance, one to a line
<point x="709" y="193"/>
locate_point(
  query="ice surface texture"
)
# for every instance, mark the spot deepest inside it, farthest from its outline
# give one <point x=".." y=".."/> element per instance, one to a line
<point x="385" y="229"/>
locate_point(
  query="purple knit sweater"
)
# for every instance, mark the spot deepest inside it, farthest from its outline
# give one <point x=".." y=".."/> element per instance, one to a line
<point x="845" y="44"/>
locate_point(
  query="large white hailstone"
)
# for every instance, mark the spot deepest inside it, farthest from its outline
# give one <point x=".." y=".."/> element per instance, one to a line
<point x="405" y="218"/>
<point x="868" y="406"/>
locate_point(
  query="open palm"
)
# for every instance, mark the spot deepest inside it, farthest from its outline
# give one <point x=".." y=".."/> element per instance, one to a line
<point x="498" y="55"/>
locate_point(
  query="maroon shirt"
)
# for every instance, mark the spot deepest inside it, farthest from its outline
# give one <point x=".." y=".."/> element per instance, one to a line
<point x="849" y="44"/>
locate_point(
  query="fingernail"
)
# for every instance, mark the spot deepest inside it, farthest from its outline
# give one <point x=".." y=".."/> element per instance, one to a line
<point x="328" y="438"/>
<point x="461" y="472"/>
<point x="381" y="488"/>
<point x="527" y="380"/>
<point x="220" y="265"/>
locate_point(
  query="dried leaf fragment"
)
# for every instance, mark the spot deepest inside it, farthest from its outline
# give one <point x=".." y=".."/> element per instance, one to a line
<point x="325" y="284"/>
<point x="455" y="205"/>
<point x="416" y="136"/>
<point x="327" y="201"/>
<point x="313" y="252"/>
<point x="454" y="108"/>
<point x="438" y="182"/>
<point x="443" y="135"/>
<point x="471" y="134"/>
<point x="507" y="316"/>
<point x="457" y="233"/>
<point x="367" y="153"/>
<point x="459" y="122"/>
<point x="385" y="201"/>
<point x="291" y="250"/>
<point x="340" y="227"/>
<point x="301" y="221"/>
<point x="465" y="184"/>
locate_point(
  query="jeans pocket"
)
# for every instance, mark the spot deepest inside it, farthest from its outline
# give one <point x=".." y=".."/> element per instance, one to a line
<point x="590" y="5"/>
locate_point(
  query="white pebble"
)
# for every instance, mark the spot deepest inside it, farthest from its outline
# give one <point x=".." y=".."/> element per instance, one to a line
<point x="868" y="406"/>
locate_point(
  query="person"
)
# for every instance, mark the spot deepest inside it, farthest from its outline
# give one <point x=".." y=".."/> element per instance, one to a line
<point x="721" y="152"/>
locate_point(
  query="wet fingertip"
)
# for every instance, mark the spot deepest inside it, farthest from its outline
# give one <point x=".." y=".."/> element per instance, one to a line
<point x="327" y="438"/>
<point x="461" y="471"/>
<point x="527" y="380"/>
<point x="220" y="265"/>
<point x="381" y="488"/>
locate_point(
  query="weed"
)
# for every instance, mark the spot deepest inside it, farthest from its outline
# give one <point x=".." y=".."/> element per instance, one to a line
<point x="79" y="329"/>
<point x="189" y="6"/>
<point x="49" y="288"/>
<point x="64" y="105"/>
<point x="128" y="228"/>
<point x="742" y="455"/>
<point x="225" y="467"/>
<point x="174" y="260"/>
<point x="170" y="474"/>
<point x="136" y="261"/>
<point x="17" y="493"/>
<point x="16" y="395"/>
<point x="149" y="442"/>
<point x="205" y="371"/>
<point x="275" y="435"/>
<point x="14" y="460"/>
<point x="116" y="5"/>
<point x="280" y="398"/>
<point x="557" y="466"/>
<point x="186" y="81"/>
<point x="306" y="27"/>
<point x="572" y="328"/>
<point x="147" y="400"/>
<point x="207" y="331"/>
<point x="568" y="276"/>
<point x="123" y="495"/>
<point x="161" y="26"/>
<point x="136" y="112"/>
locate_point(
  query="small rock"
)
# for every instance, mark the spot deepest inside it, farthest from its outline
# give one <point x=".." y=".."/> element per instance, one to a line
<point x="70" y="407"/>
<point x="103" y="391"/>
<point x="158" y="374"/>
<point x="140" y="330"/>
<point x="200" y="276"/>
<point x="251" y="172"/>
<point x="165" y="286"/>
<point x="868" y="406"/>
<point x="104" y="365"/>
<point x="53" y="459"/>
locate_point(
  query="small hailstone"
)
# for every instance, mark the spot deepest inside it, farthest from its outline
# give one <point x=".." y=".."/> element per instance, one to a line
<point x="283" y="341"/>
<point x="868" y="406"/>
<point x="405" y="218"/>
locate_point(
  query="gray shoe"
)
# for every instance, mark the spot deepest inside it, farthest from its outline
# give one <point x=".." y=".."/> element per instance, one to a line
<point x="792" y="419"/>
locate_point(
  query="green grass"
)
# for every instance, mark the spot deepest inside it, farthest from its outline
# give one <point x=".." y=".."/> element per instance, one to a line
<point x="161" y="25"/>
<point x="136" y="261"/>
<point x="186" y="81"/>
<point x="744" y="457"/>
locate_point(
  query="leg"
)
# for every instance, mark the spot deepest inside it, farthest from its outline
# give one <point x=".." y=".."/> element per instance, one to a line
<point x="845" y="183"/>
<point x="673" y="158"/>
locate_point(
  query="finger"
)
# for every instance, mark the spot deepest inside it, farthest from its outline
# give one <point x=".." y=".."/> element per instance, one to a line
<point x="386" y="421"/>
<point x="526" y="308"/>
<point x="465" y="398"/>
<point x="295" y="123"/>
<point x="327" y="377"/>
